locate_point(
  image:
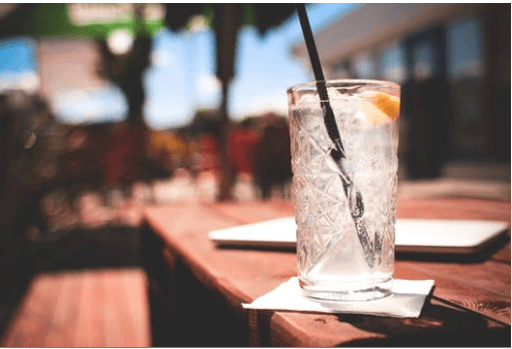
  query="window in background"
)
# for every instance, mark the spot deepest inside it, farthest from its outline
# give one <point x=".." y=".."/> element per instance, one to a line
<point x="364" y="66"/>
<point x="464" y="50"/>
<point x="424" y="63"/>
<point x="392" y="63"/>
<point x="464" y="61"/>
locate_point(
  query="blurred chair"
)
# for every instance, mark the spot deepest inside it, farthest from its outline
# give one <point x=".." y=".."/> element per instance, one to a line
<point x="272" y="163"/>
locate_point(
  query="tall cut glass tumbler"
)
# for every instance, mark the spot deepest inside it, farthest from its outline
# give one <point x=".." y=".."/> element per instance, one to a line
<point x="345" y="209"/>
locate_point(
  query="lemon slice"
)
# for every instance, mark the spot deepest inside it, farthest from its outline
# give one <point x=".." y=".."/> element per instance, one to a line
<point x="380" y="107"/>
<point x="375" y="116"/>
<point x="388" y="104"/>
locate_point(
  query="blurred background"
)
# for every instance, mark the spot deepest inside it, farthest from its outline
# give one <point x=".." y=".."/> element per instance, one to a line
<point x="106" y="108"/>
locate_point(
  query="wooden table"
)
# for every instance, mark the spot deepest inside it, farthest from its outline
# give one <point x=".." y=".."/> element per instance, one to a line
<point x="87" y="308"/>
<point x="196" y="289"/>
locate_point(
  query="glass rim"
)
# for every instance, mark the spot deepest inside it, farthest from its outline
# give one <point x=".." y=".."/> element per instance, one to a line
<point x="345" y="83"/>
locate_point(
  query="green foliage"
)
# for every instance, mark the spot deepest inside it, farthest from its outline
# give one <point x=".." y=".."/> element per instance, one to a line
<point x="53" y="20"/>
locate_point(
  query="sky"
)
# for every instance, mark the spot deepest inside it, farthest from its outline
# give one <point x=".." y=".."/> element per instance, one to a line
<point x="17" y="64"/>
<point x="181" y="78"/>
<point x="264" y="70"/>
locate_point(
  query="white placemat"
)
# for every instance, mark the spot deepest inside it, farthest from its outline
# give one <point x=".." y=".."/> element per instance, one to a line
<point x="406" y="300"/>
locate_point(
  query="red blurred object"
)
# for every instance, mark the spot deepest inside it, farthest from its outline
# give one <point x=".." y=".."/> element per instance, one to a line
<point x="242" y="147"/>
<point x="208" y="149"/>
<point x="124" y="154"/>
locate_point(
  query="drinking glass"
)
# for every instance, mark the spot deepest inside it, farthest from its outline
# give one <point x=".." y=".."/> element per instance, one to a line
<point x="345" y="209"/>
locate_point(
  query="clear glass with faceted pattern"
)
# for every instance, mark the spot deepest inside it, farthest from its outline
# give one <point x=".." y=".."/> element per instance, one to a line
<point x="342" y="258"/>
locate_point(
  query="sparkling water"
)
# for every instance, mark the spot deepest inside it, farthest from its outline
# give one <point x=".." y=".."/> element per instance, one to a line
<point x="333" y="260"/>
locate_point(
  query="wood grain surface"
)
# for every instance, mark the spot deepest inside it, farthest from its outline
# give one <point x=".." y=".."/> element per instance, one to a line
<point x="104" y="308"/>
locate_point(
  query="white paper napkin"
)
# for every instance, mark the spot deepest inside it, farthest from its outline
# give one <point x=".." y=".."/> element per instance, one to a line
<point x="406" y="300"/>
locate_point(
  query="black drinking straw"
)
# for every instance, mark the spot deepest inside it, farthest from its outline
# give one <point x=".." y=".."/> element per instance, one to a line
<point x="355" y="199"/>
<point x="330" y="122"/>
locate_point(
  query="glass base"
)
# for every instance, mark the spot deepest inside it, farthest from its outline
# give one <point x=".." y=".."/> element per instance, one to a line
<point x="330" y="298"/>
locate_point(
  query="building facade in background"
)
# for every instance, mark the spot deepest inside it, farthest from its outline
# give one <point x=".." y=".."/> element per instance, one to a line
<point x="453" y="63"/>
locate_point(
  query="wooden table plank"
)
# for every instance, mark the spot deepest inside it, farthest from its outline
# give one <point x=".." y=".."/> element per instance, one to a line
<point x="503" y="254"/>
<point x="57" y="334"/>
<point x="247" y="212"/>
<point x="113" y="327"/>
<point x="439" y="325"/>
<point x="104" y="308"/>
<point x="33" y="319"/>
<point x="483" y="288"/>
<point x="454" y="208"/>
<point x="135" y="287"/>
<point x="439" y="208"/>
<point x="72" y="301"/>
<point x="98" y="303"/>
<point x="86" y="335"/>
<point x="120" y="307"/>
